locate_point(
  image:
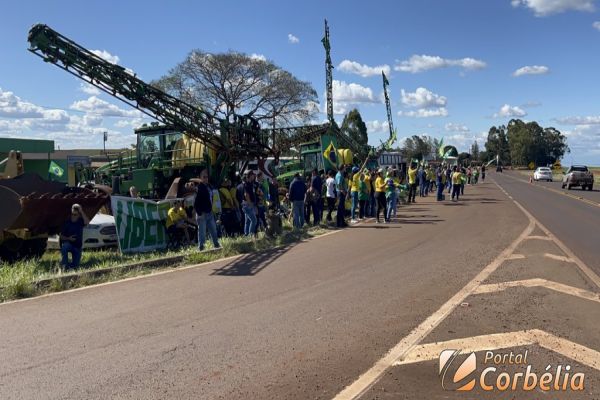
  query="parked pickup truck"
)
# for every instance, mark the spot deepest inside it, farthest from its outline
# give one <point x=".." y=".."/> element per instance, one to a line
<point x="578" y="175"/>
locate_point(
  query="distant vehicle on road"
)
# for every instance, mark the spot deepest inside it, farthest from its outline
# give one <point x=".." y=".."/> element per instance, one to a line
<point x="542" y="174"/>
<point x="578" y="175"/>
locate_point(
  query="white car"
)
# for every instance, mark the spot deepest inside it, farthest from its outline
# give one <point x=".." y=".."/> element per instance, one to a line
<point x="100" y="232"/>
<point x="542" y="174"/>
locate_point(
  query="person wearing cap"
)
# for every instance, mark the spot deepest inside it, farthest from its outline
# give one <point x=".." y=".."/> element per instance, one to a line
<point x="380" y="188"/>
<point x="71" y="237"/>
<point x="354" y="193"/>
<point x="330" y="193"/>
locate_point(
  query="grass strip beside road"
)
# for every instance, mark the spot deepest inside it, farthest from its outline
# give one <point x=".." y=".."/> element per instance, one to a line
<point x="30" y="278"/>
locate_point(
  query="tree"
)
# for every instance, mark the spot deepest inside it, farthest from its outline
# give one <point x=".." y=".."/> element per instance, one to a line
<point x="475" y="151"/>
<point x="227" y="83"/>
<point x="529" y="142"/>
<point x="497" y="144"/>
<point x="354" y="127"/>
<point x="417" y="147"/>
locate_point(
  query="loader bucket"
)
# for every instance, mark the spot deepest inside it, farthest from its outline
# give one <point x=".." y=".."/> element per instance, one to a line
<point x="29" y="202"/>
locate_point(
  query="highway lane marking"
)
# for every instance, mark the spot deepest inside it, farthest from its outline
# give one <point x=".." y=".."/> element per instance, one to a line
<point x="152" y="274"/>
<point x="538" y="238"/>
<point x="582" y="266"/>
<point x="497" y="341"/>
<point x="374" y="374"/>
<point x="370" y="377"/>
<point x="537" y="282"/>
<point x="580" y="198"/>
<point x="559" y="258"/>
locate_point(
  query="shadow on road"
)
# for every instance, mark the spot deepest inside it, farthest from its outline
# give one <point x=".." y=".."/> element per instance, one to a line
<point x="251" y="263"/>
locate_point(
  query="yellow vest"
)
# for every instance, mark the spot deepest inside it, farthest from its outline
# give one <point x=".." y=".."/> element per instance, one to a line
<point x="412" y="175"/>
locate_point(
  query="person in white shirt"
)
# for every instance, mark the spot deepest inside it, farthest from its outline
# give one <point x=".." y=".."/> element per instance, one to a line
<point x="331" y="194"/>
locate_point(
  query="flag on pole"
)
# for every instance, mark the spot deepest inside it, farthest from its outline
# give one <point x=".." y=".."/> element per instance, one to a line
<point x="441" y="148"/>
<point x="385" y="80"/>
<point x="55" y="169"/>
<point x="330" y="154"/>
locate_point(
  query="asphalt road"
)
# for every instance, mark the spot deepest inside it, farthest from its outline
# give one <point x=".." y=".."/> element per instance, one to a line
<point x="576" y="223"/>
<point x="593" y="195"/>
<point x="295" y="323"/>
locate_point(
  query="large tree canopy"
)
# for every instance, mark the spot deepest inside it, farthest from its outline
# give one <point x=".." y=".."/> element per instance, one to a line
<point x="354" y="127"/>
<point x="418" y="147"/>
<point x="227" y="83"/>
<point x="521" y="143"/>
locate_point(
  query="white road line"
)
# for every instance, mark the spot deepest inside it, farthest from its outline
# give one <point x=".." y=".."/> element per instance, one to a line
<point x="558" y="287"/>
<point x="582" y="266"/>
<point x="559" y="258"/>
<point x="538" y="238"/>
<point x="369" y="378"/>
<point x="497" y="341"/>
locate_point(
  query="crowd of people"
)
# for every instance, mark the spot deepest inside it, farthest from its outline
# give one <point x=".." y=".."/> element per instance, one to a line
<point x="255" y="202"/>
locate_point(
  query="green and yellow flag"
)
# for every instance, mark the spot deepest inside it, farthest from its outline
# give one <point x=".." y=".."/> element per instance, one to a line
<point x="55" y="169"/>
<point x="330" y="154"/>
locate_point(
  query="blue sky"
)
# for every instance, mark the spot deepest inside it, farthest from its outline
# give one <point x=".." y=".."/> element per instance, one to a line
<point x="456" y="67"/>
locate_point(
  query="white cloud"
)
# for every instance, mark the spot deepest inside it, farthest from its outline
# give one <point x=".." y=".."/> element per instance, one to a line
<point x="532" y="70"/>
<point x="345" y="95"/>
<point x="12" y="106"/>
<point x="584" y="142"/>
<point x="452" y="127"/>
<point x="425" y="113"/>
<point x="421" y="63"/>
<point x="352" y="67"/>
<point x="260" y="57"/>
<point x="107" y="56"/>
<point x="376" y="126"/>
<point x="510" y="111"/>
<point x="576" y="120"/>
<point x="543" y="8"/>
<point x="423" y="98"/>
<point x="293" y="39"/>
<point x="596" y="25"/>
<point x="89" y="89"/>
<point x="27" y="120"/>
<point x="95" y="105"/>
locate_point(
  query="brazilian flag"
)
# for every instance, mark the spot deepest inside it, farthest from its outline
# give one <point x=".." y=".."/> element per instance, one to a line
<point x="56" y="169"/>
<point x="330" y="154"/>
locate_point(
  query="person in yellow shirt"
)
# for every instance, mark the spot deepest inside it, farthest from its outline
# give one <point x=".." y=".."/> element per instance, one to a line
<point x="380" y="187"/>
<point x="178" y="220"/>
<point x="354" y="189"/>
<point x="412" y="182"/>
<point x="229" y="207"/>
<point x="368" y="185"/>
<point x="456" y="182"/>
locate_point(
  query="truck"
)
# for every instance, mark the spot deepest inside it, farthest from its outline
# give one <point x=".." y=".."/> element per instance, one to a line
<point x="578" y="175"/>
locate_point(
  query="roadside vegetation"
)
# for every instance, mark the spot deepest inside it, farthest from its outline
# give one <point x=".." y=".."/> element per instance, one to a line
<point x="34" y="277"/>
